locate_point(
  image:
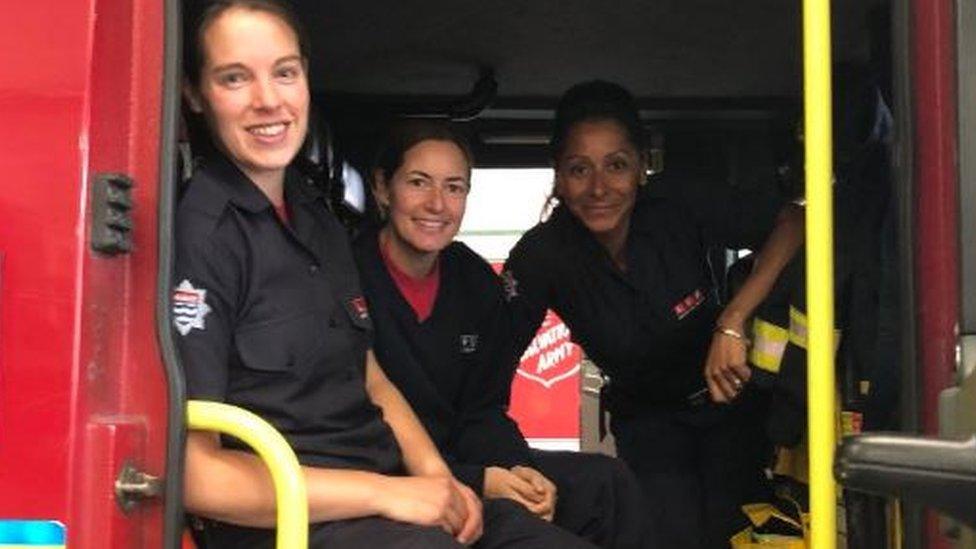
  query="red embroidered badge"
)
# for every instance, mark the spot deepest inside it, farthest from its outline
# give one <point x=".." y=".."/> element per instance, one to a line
<point x="358" y="306"/>
<point x="690" y="302"/>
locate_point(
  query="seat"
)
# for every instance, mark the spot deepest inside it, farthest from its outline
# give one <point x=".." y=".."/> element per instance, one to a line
<point x="324" y="166"/>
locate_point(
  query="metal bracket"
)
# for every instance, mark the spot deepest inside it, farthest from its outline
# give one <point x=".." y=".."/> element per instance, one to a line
<point x="593" y="378"/>
<point x="132" y="486"/>
<point x="111" y="213"/>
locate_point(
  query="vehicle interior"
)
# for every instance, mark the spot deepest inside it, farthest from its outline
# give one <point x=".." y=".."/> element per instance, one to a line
<point x="719" y="85"/>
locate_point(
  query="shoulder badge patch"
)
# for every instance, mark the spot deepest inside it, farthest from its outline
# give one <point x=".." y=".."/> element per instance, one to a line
<point x="510" y="285"/>
<point x="189" y="307"/>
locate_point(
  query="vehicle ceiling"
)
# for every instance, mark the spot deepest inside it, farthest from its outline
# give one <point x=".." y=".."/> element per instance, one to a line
<point x="660" y="49"/>
<point x="685" y="60"/>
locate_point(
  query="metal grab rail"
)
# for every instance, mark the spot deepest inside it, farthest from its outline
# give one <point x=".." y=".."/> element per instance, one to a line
<point x="274" y="450"/>
<point x="937" y="472"/>
<point x="821" y="399"/>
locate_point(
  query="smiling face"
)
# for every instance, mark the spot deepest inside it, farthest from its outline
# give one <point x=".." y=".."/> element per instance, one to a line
<point x="253" y="90"/>
<point x="425" y="200"/>
<point x="597" y="175"/>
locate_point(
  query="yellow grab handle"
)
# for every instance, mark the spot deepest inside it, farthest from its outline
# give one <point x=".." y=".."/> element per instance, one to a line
<point x="273" y="449"/>
<point x="821" y="400"/>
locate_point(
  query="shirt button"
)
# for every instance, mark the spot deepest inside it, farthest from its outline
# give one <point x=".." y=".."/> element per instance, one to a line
<point x="313" y="269"/>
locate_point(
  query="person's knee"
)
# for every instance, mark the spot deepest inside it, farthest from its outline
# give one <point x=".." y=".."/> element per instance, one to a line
<point x="616" y="468"/>
<point x="611" y="473"/>
<point x="379" y="532"/>
<point x="430" y="538"/>
<point x="623" y="476"/>
<point x="508" y="522"/>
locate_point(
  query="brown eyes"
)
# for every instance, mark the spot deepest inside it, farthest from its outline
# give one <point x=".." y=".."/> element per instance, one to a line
<point x="424" y="185"/>
<point x="237" y="78"/>
<point x="613" y="166"/>
<point x="288" y="73"/>
<point x="579" y="170"/>
<point x="232" y="79"/>
<point x="456" y="189"/>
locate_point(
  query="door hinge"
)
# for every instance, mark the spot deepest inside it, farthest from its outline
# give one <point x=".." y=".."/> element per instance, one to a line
<point x="133" y="486"/>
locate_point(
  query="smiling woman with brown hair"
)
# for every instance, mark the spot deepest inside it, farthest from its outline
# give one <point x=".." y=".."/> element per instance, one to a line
<point x="442" y="335"/>
<point x="269" y="316"/>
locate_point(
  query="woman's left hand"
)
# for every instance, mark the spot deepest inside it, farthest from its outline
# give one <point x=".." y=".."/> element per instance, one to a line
<point x="726" y="368"/>
<point x="542" y="500"/>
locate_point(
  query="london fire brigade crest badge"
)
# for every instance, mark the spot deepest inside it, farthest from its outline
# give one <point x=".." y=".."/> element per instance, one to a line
<point x="189" y="307"/>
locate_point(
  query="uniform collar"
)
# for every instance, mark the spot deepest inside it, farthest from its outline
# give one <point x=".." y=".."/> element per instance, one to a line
<point x="579" y="238"/>
<point x="642" y="220"/>
<point x="238" y="189"/>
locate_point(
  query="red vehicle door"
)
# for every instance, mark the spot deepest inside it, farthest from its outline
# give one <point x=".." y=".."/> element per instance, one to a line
<point x="82" y="389"/>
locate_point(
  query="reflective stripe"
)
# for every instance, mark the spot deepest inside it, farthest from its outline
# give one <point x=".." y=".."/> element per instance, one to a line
<point x="768" y="345"/>
<point x="851" y="423"/>
<point x="798" y="328"/>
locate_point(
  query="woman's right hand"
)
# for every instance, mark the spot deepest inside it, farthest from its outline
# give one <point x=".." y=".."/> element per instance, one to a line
<point x="430" y="501"/>
<point x="726" y="366"/>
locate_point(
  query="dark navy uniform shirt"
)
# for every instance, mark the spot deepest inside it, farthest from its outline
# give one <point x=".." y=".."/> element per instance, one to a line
<point x="647" y="327"/>
<point x="453" y="366"/>
<point x="270" y="317"/>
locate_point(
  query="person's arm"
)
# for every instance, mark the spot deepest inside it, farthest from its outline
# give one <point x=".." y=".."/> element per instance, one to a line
<point x="726" y="365"/>
<point x="333" y="494"/>
<point x="432" y="498"/>
<point x="235" y="486"/>
<point x="485" y="433"/>
<point x="420" y="455"/>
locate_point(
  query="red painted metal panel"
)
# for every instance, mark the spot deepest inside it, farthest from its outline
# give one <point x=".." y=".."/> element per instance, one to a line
<point x="110" y="442"/>
<point x="937" y="253"/>
<point x="120" y="380"/>
<point x="42" y="93"/>
<point x="81" y="383"/>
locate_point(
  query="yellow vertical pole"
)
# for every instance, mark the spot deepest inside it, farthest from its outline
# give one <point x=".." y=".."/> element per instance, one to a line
<point x="821" y="395"/>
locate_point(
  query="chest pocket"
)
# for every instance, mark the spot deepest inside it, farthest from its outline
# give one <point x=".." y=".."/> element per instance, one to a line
<point x="281" y="345"/>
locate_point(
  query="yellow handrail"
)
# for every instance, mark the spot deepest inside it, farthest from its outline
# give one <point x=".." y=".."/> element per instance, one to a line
<point x="286" y="473"/>
<point x="821" y="400"/>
